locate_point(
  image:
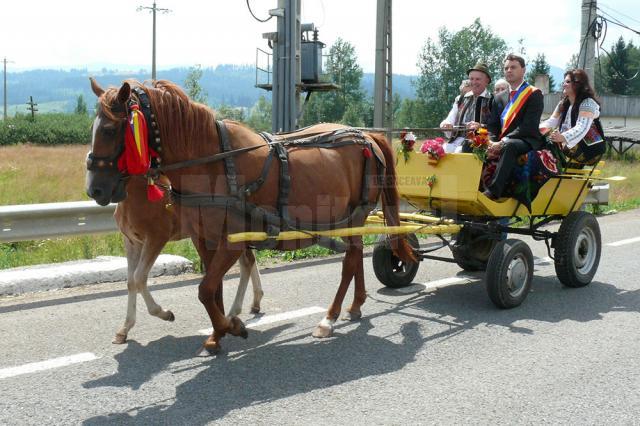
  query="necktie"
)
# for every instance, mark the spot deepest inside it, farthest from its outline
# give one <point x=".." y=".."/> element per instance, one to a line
<point x="512" y="94"/>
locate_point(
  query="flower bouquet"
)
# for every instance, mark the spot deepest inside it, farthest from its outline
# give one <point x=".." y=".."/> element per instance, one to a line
<point x="407" y="141"/>
<point x="434" y="150"/>
<point x="479" y="143"/>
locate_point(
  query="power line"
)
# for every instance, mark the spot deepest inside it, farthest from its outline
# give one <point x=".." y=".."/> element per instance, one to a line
<point x="153" y="10"/>
<point x="254" y="16"/>
<point x="620" y="13"/>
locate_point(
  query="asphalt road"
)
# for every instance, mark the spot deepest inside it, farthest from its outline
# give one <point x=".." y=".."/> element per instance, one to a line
<point x="429" y="353"/>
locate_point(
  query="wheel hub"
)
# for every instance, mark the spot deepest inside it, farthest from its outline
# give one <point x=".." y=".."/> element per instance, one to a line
<point x="517" y="273"/>
<point x="584" y="252"/>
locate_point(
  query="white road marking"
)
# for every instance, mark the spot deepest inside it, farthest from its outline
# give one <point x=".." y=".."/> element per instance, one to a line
<point x="257" y="322"/>
<point x="542" y="260"/>
<point x="624" y="242"/>
<point x="46" y="365"/>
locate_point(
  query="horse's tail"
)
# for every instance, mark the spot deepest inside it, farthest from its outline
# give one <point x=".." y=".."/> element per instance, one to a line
<point x="391" y="200"/>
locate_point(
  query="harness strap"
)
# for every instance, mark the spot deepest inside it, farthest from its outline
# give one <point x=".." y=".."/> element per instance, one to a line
<point x="229" y="164"/>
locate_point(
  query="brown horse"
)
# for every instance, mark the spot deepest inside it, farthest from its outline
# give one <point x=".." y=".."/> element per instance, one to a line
<point x="147" y="227"/>
<point x="329" y="184"/>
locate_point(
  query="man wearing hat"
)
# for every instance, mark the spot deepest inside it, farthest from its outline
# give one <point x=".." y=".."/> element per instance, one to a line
<point x="472" y="110"/>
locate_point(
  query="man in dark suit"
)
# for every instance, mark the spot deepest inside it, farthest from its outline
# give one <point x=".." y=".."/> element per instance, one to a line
<point x="515" y="116"/>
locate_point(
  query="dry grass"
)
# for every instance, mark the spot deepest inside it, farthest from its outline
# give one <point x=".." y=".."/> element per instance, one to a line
<point x="32" y="174"/>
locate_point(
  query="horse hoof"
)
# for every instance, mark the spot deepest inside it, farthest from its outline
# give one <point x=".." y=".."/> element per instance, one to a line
<point x="255" y="309"/>
<point x="238" y="328"/>
<point x="352" y="316"/>
<point x="322" y="332"/>
<point x="209" y="347"/>
<point x="171" y="317"/>
<point x="120" y="339"/>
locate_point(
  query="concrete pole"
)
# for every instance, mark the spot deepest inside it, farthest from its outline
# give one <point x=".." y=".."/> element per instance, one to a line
<point x="383" y="93"/>
<point x="586" y="60"/>
<point x="286" y="68"/>
<point x="153" y="48"/>
<point x="4" y="115"/>
<point x="153" y="10"/>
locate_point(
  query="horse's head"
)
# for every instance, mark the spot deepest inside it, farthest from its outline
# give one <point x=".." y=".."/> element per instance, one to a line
<point x="105" y="182"/>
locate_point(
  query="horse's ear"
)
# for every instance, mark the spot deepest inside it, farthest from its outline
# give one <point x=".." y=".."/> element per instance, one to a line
<point x="124" y="93"/>
<point x="96" y="87"/>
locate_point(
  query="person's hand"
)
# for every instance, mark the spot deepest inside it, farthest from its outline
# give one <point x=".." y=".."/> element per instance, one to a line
<point x="446" y="126"/>
<point x="494" y="147"/>
<point x="473" y="125"/>
<point x="557" y="138"/>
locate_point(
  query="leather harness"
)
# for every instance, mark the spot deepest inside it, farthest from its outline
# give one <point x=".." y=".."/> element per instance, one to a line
<point x="256" y="216"/>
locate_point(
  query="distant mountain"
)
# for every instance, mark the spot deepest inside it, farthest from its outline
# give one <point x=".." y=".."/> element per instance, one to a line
<point x="57" y="90"/>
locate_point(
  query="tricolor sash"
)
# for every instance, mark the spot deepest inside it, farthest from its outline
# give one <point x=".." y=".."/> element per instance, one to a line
<point x="514" y="106"/>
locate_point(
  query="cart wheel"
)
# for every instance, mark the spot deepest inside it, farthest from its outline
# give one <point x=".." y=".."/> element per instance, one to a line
<point x="509" y="273"/>
<point x="577" y="249"/>
<point x="472" y="250"/>
<point x="391" y="271"/>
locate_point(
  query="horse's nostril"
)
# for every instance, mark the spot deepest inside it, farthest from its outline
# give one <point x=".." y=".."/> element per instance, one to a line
<point x="94" y="192"/>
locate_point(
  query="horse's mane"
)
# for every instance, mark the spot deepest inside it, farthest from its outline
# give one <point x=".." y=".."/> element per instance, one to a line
<point x="183" y="124"/>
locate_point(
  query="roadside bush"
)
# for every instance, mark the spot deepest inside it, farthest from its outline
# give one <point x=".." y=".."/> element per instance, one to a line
<point x="47" y="129"/>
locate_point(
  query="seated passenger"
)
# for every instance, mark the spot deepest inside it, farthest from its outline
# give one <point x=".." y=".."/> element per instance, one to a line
<point x="576" y="120"/>
<point x="513" y="124"/>
<point x="471" y="110"/>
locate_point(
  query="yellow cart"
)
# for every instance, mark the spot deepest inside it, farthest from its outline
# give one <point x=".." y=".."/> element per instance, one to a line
<point x="447" y="192"/>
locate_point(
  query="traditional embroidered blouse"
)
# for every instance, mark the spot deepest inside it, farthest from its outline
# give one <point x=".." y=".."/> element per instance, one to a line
<point x="574" y="134"/>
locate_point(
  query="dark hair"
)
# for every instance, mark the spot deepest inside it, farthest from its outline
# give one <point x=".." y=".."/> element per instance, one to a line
<point x="513" y="57"/>
<point x="581" y="85"/>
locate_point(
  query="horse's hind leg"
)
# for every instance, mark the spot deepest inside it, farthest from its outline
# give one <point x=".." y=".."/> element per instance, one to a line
<point x="360" y="294"/>
<point x="256" y="282"/>
<point x="150" y="251"/>
<point x="349" y="267"/>
<point x="133" y="251"/>
<point x="248" y="269"/>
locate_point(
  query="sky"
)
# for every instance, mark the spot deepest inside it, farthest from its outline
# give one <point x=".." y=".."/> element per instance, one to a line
<point x="113" y="34"/>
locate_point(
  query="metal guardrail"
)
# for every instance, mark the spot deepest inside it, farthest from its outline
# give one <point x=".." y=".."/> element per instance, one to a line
<point x="40" y="221"/>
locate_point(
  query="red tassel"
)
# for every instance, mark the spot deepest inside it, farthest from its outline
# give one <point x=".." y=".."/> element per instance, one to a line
<point x="366" y="152"/>
<point x="154" y="193"/>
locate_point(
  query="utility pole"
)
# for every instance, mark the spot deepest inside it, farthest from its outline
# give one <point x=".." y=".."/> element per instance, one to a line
<point x="32" y="107"/>
<point x="586" y="60"/>
<point x="286" y="66"/>
<point x="383" y="89"/>
<point x="153" y="10"/>
<point x="5" y="61"/>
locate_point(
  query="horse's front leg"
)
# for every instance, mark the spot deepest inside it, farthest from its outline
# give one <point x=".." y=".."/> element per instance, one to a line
<point x="150" y="251"/>
<point x="210" y="294"/>
<point x="349" y="266"/>
<point x="133" y="251"/>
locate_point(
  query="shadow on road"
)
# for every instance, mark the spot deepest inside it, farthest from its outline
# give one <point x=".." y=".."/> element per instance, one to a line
<point x="260" y="369"/>
<point x="263" y="372"/>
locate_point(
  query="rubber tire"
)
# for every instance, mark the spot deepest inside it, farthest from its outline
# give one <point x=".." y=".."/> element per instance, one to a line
<point x="480" y="254"/>
<point x="572" y="228"/>
<point x="384" y="263"/>
<point x="497" y="268"/>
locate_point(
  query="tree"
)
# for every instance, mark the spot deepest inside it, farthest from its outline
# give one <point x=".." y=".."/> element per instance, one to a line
<point x="618" y="68"/>
<point x="540" y="66"/>
<point x="444" y="63"/>
<point x="232" y="113"/>
<point x="192" y="85"/>
<point x="260" y="115"/>
<point x="81" y="106"/>
<point x="342" y="69"/>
